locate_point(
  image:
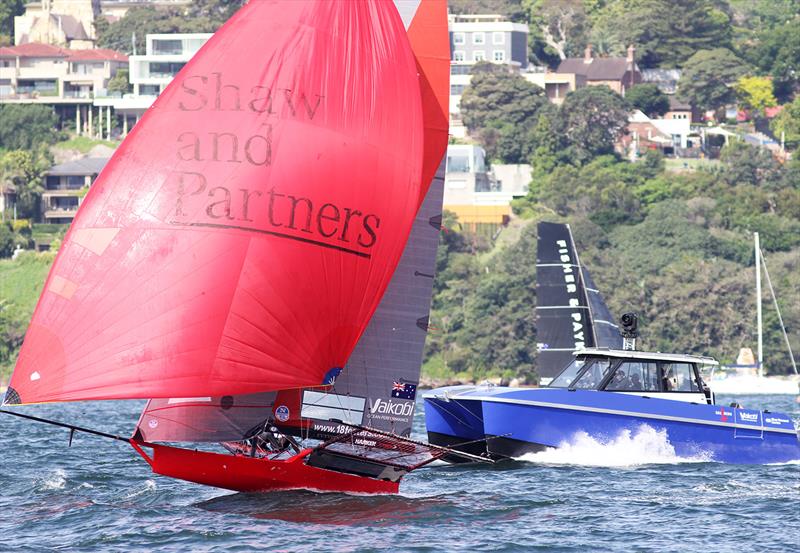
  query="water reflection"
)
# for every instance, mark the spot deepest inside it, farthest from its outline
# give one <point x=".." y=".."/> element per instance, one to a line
<point x="329" y="508"/>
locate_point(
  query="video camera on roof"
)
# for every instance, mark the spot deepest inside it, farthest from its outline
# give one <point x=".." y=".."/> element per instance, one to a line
<point x="629" y="325"/>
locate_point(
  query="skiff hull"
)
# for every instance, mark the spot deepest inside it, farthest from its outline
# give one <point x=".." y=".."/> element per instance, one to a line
<point x="253" y="474"/>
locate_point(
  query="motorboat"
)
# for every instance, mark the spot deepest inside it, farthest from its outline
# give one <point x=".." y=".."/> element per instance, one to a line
<point x="603" y="393"/>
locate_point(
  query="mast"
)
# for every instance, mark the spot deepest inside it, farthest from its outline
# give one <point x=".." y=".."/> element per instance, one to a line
<point x="778" y="311"/>
<point x="758" y="306"/>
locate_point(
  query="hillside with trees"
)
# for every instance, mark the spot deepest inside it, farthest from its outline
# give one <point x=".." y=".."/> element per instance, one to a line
<point x="674" y="245"/>
<point x="670" y="241"/>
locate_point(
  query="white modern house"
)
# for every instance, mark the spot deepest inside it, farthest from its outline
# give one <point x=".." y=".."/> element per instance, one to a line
<point x="150" y="73"/>
<point x="479" y="195"/>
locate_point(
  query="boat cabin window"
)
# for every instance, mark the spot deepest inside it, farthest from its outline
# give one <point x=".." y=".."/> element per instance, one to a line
<point x="678" y="377"/>
<point x="634" y="376"/>
<point x="568" y="374"/>
<point x="593" y="375"/>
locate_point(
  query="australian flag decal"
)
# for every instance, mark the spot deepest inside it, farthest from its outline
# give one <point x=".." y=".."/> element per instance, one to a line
<point x="404" y="390"/>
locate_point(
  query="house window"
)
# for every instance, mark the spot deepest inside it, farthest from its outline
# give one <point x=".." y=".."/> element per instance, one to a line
<point x="167" y="47"/>
<point x="149" y="90"/>
<point x="499" y="55"/>
<point x="458" y="55"/>
<point x="75" y="181"/>
<point x="679" y="377"/>
<point x="165" y="69"/>
<point x="458" y="38"/>
<point x="457" y="164"/>
<point x="478" y="55"/>
<point x="498" y="38"/>
<point x="478" y="38"/>
<point x="456" y="89"/>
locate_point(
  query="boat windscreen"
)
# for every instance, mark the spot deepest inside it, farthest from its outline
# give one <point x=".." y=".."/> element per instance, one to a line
<point x="565" y="378"/>
<point x="593" y="375"/>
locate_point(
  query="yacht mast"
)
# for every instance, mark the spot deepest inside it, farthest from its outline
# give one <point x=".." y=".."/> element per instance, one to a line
<point x="758" y="305"/>
<point x="778" y="311"/>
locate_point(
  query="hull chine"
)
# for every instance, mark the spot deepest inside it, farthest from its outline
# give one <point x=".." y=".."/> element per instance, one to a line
<point x="256" y="474"/>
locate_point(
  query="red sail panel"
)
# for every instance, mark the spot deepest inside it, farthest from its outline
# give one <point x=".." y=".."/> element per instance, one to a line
<point x="379" y="359"/>
<point x="430" y="40"/>
<point x="242" y="236"/>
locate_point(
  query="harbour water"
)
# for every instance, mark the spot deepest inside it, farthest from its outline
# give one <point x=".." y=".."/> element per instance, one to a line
<point x="631" y="494"/>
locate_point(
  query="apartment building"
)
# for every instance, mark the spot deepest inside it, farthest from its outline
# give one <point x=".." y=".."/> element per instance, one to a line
<point x="165" y="55"/>
<point x="68" y="80"/>
<point x="479" y="196"/>
<point x="65" y="187"/>
<point x="480" y="38"/>
<point x="150" y="73"/>
<point x="46" y="74"/>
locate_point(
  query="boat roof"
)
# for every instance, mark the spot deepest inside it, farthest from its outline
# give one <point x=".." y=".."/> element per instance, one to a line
<point x="656" y="356"/>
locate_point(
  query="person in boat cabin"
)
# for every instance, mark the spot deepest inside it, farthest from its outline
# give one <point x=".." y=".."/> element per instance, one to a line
<point x="621" y="381"/>
<point x="670" y="382"/>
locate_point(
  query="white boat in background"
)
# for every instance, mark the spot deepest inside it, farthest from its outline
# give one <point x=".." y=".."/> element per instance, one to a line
<point x="747" y="375"/>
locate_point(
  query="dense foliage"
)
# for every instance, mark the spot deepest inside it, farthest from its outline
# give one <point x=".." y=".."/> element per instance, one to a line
<point x="675" y="247"/>
<point x="200" y="16"/>
<point x="27" y="126"/>
<point x="8" y="9"/>
<point x="647" y="98"/>
<point x="498" y="108"/>
<point x="26" y="131"/>
<point x="708" y="78"/>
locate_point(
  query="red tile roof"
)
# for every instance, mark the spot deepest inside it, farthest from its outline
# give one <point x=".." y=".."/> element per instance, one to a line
<point x="37" y="50"/>
<point x="97" y="54"/>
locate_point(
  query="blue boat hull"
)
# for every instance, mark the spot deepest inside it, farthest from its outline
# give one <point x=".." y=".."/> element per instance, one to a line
<point x="521" y="421"/>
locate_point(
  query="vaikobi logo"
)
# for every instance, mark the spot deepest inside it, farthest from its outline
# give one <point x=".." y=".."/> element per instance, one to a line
<point x="400" y="410"/>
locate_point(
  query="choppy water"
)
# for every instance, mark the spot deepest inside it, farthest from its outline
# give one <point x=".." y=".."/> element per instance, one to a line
<point x="632" y="495"/>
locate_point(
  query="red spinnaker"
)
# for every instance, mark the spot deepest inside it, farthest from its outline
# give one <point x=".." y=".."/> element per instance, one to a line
<point x="242" y="236"/>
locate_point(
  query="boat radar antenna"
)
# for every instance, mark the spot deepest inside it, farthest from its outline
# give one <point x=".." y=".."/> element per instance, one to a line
<point x="629" y="329"/>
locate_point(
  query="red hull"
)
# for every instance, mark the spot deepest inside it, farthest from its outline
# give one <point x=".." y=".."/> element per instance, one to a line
<point x="251" y="474"/>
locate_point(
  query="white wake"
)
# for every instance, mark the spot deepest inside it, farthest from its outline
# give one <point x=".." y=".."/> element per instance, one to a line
<point x="644" y="446"/>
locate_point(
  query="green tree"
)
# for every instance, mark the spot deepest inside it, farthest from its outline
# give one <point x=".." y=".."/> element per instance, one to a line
<point x="120" y="83"/>
<point x="708" y="78"/>
<point x="776" y="52"/>
<point x="498" y="320"/>
<point x="138" y="22"/>
<point x="8" y="9"/>
<point x="755" y="93"/>
<point x="557" y="27"/>
<point x="6" y="240"/>
<point x="498" y="107"/>
<point x="788" y="123"/>
<point x="548" y="143"/>
<point x="24" y="126"/>
<point x="594" y="118"/>
<point x="24" y="169"/>
<point x="648" y="98"/>
<point x="512" y="9"/>
<point x="214" y="12"/>
<point x="747" y="164"/>
<point x="665" y="32"/>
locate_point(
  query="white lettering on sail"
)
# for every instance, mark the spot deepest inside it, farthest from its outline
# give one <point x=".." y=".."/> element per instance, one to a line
<point x="570" y="280"/>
